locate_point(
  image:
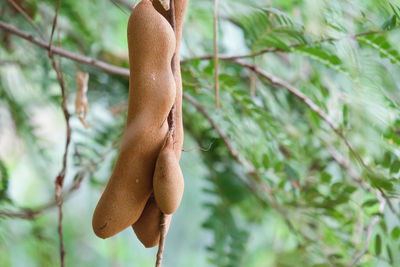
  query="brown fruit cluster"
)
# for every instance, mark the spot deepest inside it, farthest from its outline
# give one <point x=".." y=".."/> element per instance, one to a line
<point x="147" y="178"/>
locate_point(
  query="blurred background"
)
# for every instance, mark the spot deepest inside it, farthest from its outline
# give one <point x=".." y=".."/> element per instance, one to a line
<point x="297" y="193"/>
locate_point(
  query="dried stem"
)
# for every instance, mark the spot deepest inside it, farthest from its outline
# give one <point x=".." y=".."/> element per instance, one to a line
<point x="59" y="182"/>
<point x="163" y="232"/>
<point x="216" y="73"/>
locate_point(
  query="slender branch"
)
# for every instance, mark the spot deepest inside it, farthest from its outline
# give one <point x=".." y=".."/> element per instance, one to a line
<point x="33" y="213"/>
<point x="28" y="214"/>
<point x="65" y="53"/>
<point x="375" y="219"/>
<point x="216" y="70"/>
<point x="275" y="49"/>
<point x="59" y="182"/>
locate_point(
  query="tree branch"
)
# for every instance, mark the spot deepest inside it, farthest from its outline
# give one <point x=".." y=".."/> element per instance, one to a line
<point x="65" y="53"/>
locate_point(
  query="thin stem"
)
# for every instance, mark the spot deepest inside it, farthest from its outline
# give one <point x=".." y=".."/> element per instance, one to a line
<point x="59" y="182"/>
<point x="216" y="73"/>
<point x="163" y="232"/>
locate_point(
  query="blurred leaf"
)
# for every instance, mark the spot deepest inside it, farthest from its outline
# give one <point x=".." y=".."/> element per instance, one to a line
<point x="378" y="245"/>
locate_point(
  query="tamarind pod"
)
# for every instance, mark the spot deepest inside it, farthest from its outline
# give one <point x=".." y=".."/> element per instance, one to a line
<point x="147" y="228"/>
<point x="152" y="92"/>
<point x="168" y="181"/>
<point x="180" y="7"/>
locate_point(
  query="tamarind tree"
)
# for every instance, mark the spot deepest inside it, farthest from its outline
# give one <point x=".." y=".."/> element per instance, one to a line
<point x="291" y="154"/>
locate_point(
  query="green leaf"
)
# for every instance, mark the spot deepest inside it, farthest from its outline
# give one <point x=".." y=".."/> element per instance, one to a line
<point x="396" y="10"/>
<point x="390" y="23"/>
<point x="378" y="245"/>
<point x="395" y="166"/>
<point x="390" y="255"/>
<point x="326" y="177"/>
<point x="395" y="233"/>
<point x="384" y="48"/>
<point x="381" y="182"/>
<point x="322" y="55"/>
<point x="270" y="28"/>
<point x="387" y="158"/>
<point x="291" y="172"/>
<point x="345" y="115"/>
<point x="370" y="202"/>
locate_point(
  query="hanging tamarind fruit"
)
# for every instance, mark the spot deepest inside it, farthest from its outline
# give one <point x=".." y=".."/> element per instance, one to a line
<point x="152" y="93"/>
<point x="175" y="17"/>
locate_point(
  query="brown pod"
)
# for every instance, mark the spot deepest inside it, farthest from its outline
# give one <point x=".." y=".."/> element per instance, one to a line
<point x="180" y="9"/>
<point x="168" y="181"/>
<point x="152" y="92"/>
<point x="147" y="228"/>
